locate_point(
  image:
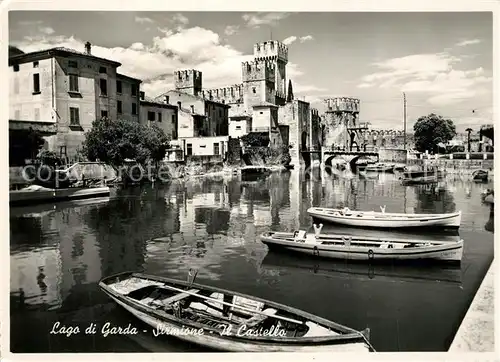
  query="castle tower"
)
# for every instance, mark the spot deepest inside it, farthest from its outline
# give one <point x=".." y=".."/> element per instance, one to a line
<point x="258" y="82"/>
<point x="188" y="81"/>
<point x="277" y="53"/>
<point x="341" y="122"/>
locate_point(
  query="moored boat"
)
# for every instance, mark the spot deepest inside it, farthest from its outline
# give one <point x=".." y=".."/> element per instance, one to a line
<point x="380" y="167"/>
<point x="427" y="171"/>
<point x="480" y="176"/>
<point x="374" y="219"/>
<point x="363" y="248"/>
<point x="225" y="320"/>
<point x="430" y="179"/>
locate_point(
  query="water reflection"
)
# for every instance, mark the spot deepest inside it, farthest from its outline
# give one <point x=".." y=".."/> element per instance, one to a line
<point x="59" y="252"/>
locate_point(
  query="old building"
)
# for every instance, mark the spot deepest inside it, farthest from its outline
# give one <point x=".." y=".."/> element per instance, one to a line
<point x="66" y="90"/>
<point x="160" y="113"/>
<point x="202" y="124"/>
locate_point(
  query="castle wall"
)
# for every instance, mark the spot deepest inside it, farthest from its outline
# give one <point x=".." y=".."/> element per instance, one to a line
<point x="297" y="116"/>
<point x="188" y="81"/>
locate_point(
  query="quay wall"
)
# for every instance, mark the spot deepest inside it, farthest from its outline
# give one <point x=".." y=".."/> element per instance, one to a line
<point x="458" y="166"/>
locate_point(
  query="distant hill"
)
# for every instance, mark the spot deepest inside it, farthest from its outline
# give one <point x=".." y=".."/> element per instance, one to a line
<point x="13" y="51"/>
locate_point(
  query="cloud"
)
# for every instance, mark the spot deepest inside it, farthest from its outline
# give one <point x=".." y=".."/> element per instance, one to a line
<point x="306" y="38"/>
<point x="143" y="20"/>
<point x="180" y="19"/>
<point x="292" y="39"/>
<point x="464" y="43"/>
<point x="46" y="30"/>
<point x="432" y="75"/>
<point x="231" y="29"/>
<point x="255" y="20"/>
<point x="289" y="40"/>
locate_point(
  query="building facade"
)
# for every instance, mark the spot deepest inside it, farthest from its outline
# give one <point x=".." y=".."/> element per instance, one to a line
<point x="161" y="114"/>
<point x="68" y="90"/>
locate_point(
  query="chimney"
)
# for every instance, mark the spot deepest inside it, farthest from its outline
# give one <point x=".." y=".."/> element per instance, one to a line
<point x="179" y="104"/>
<point x="88" y="48"/>
<point x="166" y="99"/>
<point x="142" y="95"/>
<point x="192" y="108"/>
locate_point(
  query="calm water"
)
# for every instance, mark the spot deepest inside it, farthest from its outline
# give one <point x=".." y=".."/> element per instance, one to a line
<point x="60" y="252"/>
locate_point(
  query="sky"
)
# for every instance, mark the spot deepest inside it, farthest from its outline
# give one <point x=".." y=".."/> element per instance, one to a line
<point x="442" y="61"/>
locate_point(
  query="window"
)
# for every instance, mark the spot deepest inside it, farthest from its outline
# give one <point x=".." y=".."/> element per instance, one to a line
<point x="173" y="118"/>
<point x="174" y="135"/>
<point x="103" y="85"/>
<point x="104" y="113"/>
<point x="73" y="83"/>
<point x="119" y="107"/>
<point x="74" y="116"/>
<point x="17" y="114"/>
<point x="261" y="112"/>
<point x="159" y="116"/>
<point x="134" y="108"/>
<point x="118" y="86"/>
<point x="36" y="83"/>
<point x="16" y="67"/>
<point x="16" y="86"/>
<point x="189" y="149"/>
<point x="35" y="64"/>
<point x="253" y="90"/>
<point x="151" y="116"/>
<point x="73" y="64"/>
<point x="216" y="148"/>
<point x="102" y="70"/>
<point x="220" y="112"/>
<point x="134" y="90"/>
<point x="238" y="127"/>
<point x="37" y="114"/>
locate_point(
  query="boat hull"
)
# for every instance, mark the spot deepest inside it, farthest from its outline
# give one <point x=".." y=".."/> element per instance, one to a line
<point x="451" y="252"/>
<point x="21" y="197"/>
<point x="213" y="339"/>
<point x="371" y="219"/>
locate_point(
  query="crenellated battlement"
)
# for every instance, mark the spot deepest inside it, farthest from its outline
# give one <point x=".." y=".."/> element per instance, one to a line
<point x="314" y="112"/>
<point x="271" y="50"/>
<point x="188" y="79"/>
<point x="258" y="70"/>
<point x="231" y="94"/>
<point x="342" y="104"/>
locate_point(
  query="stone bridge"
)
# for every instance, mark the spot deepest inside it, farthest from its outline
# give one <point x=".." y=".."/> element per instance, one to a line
<point x="327" y="155"/>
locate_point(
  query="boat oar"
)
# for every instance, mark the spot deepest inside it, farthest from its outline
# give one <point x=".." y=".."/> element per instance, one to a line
<point x="234" y="305"/>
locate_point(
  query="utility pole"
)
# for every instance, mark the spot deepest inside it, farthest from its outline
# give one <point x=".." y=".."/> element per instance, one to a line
<point x="404" y="118"/>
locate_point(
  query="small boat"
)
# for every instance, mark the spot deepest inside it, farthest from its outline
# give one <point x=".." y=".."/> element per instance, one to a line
<point x="399" y="168"/>
<point x="380" y="167"/>
<point x="488" y="197"/>
<point x="225" y="320"/>
<point x="431" y="179"/>
<point x="423" y="172"/>
<point x="382" y="219"/>
<point x="36" y="194"/>
<point x="480" y="176"/>
<point x="336" y="246"/>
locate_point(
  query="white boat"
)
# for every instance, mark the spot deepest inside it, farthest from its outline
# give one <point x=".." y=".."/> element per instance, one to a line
<point x="38" y="194"/>
<point x="363" y="248"/>
<point x="227" y="321"/>
<point x="382" y="219"/>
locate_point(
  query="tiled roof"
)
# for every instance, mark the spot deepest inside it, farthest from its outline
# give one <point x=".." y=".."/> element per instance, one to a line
<point x="265" y="104"/>
<point x="53" y="51"/>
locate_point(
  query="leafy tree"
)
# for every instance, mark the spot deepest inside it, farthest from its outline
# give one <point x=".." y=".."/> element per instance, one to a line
<point x="24" y="144"/>
<point x="289" y="96"/>
<point x="114" y="141"/>
<point x="431" y="130"/>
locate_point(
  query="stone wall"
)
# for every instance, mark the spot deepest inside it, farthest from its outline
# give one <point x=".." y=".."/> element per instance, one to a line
<point x="392" y="155"/>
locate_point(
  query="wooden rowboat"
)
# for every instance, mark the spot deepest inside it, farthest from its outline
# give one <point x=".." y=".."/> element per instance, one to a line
<point x="380" y="167"/>
<point x="374" y="219"/>
<point x="363" y="248"/>
<point x="225" y="320"/>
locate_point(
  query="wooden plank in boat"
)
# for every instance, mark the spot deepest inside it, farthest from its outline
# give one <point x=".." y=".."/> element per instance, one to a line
<point x="252" y="322"/>
<point x="178" y="297"/>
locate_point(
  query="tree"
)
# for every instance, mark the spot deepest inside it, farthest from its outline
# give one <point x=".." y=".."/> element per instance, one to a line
<point x="289" y="97"/>
<point x="24" y="144"/>
<point x="431" y="130"/>
<point x="114" y="141"/>
<point x="468" y="130"/>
